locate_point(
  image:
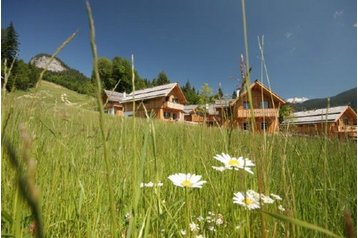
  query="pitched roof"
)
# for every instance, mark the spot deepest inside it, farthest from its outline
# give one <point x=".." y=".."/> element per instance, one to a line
<point x="257" y="82"/>
<point x="189" y="108"/>
<point x="113" y="96"/>
<point x="223" y="102"/>
<point x="149" y="93"/>
<point x="331" y="114"/>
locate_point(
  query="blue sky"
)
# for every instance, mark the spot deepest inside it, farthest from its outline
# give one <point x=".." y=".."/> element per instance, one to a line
<point x="310" y="45"/>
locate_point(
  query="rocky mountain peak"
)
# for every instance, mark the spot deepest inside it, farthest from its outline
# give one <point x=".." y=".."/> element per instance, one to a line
<point x="41" y="61"/>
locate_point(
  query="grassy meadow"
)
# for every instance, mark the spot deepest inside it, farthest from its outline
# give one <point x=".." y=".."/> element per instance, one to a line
<point x="315" y="177"/>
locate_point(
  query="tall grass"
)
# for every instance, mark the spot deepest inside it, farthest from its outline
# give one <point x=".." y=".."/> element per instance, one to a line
<point x="80" y="196"/>
<point x="74" y="202"/>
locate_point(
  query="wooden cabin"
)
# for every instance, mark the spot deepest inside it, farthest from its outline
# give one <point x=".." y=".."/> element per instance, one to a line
<point x="221" y="111"/>
<point x="111" y="101"/>
<point x="339" y="122"/>
<point x="265" y="109"/>
<point x="164" y="102"/>
<point x="213" y="114"/>
<point x="193" y="114"/>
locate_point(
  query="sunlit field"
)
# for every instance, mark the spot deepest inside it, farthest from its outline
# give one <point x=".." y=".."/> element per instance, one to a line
<point x="314" y="177"/>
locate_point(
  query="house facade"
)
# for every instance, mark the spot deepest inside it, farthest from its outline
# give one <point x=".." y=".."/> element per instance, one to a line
<point x="164" y="102"/>
<point x="338" y="122"/>
<point x="264" y="114"/>
<point x="192" y="114"/>
<point x="111" y="102"/>
<point x="214" y="114"/>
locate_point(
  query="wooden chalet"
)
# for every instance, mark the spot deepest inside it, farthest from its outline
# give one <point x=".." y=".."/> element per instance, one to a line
<point x="217" y="113"/>
<point x="112" y="103"/>
<point x="338" y="121"/>
<point x="192" y="114"/>
<point x="265" y="109"/>
<point x="164" y="102"/>
<point x="220" y="112"/>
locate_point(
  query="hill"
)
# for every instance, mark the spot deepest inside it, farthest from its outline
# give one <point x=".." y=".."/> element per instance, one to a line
<point x="348" y="97"/>
<point x="52" y="95"/>
<point x="59" y="73"/>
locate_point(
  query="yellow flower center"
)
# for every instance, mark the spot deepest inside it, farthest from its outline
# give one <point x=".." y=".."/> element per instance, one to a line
<point x="187" y="183"/>
<point x="248" y="201"/>
<point x="233" y="162"/>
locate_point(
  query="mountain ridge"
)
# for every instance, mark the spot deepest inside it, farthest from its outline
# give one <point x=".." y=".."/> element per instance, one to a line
<point x="60" y="73"/>
<point x="42" y="59"/>
<point x="347" y="97"/>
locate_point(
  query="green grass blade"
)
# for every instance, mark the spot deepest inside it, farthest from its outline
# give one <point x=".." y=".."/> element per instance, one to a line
<point x="301" y="223"/>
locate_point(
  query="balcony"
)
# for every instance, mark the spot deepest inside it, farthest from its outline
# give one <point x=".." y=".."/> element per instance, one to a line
<point x="268" y="112"/>
<point x="174" y="106"/>
<point x="347" y="129"/>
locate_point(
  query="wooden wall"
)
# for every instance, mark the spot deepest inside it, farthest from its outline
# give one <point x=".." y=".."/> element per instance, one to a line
<point x="272" y="124"/>
<point x="154" y="107"/>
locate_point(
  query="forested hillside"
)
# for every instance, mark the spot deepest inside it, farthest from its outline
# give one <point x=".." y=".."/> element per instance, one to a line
<point x="348" y="97"/>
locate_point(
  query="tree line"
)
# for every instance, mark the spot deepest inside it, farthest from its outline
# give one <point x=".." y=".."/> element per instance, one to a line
<point x="22" y="75"/>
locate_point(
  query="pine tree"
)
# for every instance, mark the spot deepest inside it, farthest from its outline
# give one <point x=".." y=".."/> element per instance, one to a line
<point x="9" y="44"/>
<point x="234" y="95"/>
<point x="161" y="79"/>
<point x="190" y="93"/>
<point x="23" y="77"/>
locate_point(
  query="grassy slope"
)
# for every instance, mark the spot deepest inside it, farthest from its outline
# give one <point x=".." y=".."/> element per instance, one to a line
<point x="316" y="177"/>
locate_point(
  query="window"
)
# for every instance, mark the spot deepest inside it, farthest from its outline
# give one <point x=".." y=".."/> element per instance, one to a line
<point x="111" y="111"/>
<point x="175" y="116"/>
<point x="264" y="104"/>
<point x="246" y="105"/>
<point x="246" y="126"/>
<point x="264" y="125"/>
<point x="128" y="114"/>
<point x="167" y="115"/>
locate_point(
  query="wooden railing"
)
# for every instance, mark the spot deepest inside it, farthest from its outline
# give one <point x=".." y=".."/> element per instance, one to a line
<point x="348" y="129"/>
<point x="197" y="118"/>
<point x="172" y="105"/>
<point x="267" y="112"/>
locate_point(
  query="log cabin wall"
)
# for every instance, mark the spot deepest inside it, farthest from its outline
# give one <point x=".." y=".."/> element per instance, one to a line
<point x="265" y="110"/>
<point x="270" y="125"/>
<point x="153" y="107"/>
<point x="156" y="108"/>
<point x="339" y="122"/>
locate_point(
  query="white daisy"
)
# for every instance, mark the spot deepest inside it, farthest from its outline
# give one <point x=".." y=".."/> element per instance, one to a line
<point x="227" y="160"/>
<point x="267" y="199"/>
<point x="249" y="201"/>
<point x="194" y="227"/>
<point x="221" y="168"/>
<point x="187" y="180"/>
<point x="281" y="208"/>
<point x="233" y="163"/>
<point x="275" y="196"/>
<point x="219" y="221"/>
<point x="264" y="198"/>
<point x="183" y="232"/>
<point x="151" y="184"/>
